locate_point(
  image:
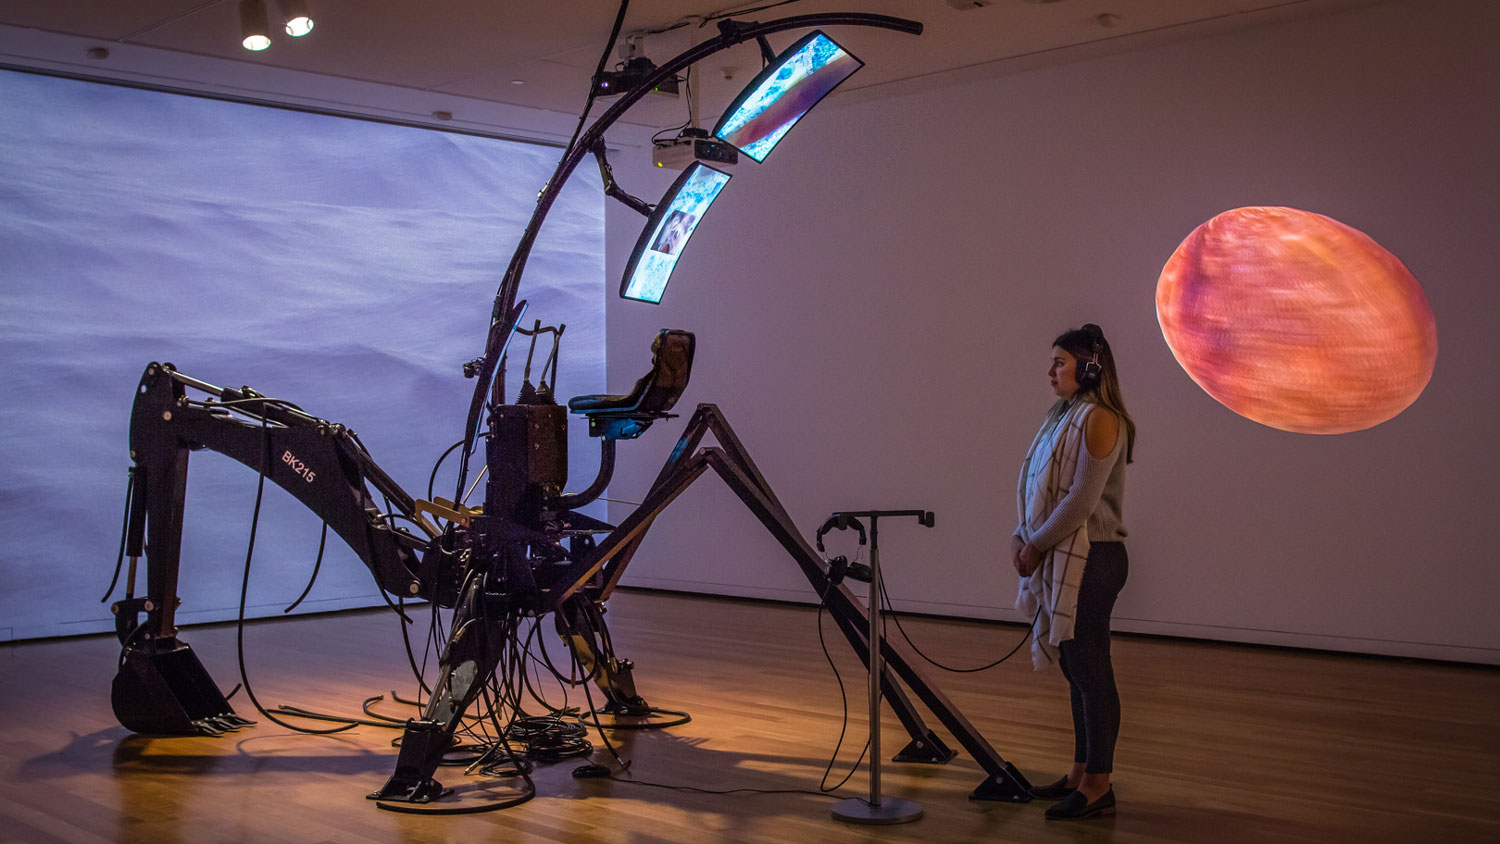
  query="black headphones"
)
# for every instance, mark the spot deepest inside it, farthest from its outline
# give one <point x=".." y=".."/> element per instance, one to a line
<point x="1088" y="371"/>
<point x="839" y="567"/>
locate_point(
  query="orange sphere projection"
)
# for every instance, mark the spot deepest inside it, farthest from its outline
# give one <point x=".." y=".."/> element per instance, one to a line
<point x="1296" y="321"/>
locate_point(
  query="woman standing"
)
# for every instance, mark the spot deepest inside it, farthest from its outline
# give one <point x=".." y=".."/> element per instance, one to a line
<point x="1070" y="554"/>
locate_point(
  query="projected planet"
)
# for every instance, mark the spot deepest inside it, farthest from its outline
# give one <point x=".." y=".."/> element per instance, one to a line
<point x="1297" y="321"/>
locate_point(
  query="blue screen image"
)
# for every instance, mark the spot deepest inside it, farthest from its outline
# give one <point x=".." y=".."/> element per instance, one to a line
<point x="803" y="76"/>
<point x="661" y="244"/>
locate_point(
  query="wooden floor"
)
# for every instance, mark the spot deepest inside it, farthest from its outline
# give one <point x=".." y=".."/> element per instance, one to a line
<point x="1220" y="744"/>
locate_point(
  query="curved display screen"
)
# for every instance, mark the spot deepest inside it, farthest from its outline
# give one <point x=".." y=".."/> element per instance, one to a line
<point x="667" y="232"/>
<point x="788" y="88"/>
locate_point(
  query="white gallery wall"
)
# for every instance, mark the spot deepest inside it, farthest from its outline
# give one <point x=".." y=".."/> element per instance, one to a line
<point x="875" y="304"/>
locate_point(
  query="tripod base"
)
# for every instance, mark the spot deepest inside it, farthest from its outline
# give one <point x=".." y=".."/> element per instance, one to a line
<point x="892" y="810"/>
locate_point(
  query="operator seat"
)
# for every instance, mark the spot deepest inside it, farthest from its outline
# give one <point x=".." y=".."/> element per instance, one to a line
<point x="628" y="416"/>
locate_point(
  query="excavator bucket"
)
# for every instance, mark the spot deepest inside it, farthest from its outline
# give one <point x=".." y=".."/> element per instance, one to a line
<point x="168" y="692"/>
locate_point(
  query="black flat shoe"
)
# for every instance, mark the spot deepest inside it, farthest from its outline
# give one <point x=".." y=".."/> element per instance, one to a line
<point x="1076" y="807"/>
<point x="1055" y="791"/>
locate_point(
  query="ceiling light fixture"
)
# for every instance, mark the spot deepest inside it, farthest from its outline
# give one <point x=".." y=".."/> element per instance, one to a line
<point x="298" y="19"/>
<point x="254" y="31"/>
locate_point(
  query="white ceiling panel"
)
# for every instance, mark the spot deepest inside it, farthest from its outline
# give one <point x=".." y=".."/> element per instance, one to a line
<point x="472" y="50"/>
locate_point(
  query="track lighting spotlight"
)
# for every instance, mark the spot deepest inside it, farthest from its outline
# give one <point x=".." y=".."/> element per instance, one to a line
<point x="256" y="33"/>
<point x="298" y="19"/>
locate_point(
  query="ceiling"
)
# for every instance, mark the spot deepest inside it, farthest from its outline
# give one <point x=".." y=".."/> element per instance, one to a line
<point x="479" y="59"/>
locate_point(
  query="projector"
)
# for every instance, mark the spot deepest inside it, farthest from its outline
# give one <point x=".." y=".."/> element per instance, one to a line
<point x="612" y="83"/>
<point x="693" y="145"/>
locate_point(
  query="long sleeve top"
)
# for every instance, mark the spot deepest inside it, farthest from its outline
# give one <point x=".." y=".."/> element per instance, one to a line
<point x="1096" y="497"/>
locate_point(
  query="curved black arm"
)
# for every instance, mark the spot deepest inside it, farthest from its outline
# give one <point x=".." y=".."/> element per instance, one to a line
<point x="601" y="480"/>
<point x="731" y="34"/>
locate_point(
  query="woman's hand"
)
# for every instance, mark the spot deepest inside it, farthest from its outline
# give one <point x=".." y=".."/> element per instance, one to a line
<point x="1016" y="544"/>
<point x="1028" y="560"/>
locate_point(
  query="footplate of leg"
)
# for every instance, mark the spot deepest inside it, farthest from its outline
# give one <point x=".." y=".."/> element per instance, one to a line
<point x="1008" y="786"/>
<point x="422" y="747"/>
<point x="928" y="750"/>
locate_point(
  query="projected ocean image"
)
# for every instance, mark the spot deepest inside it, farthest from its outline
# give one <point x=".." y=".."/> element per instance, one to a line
<point x="799" y="82"/>
<point x="664" y="243"/>
<point x="346" y="266"/>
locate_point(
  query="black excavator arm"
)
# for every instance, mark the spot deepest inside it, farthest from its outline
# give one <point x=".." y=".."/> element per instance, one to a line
<point x="161" y="687"/>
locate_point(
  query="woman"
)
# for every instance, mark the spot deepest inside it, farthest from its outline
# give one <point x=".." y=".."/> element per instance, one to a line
<point x="1069" y="553"/>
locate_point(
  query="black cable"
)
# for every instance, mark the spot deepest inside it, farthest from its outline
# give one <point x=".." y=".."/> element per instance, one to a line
<point x="541" y="642"/>
<point x="397" y="610"/>
<point x="823" y="789"/>
<point x="609" y="46"/>
<point x="432" y="478"/>
<point x="435" y="638"/>
<point x="605" y="640"/>
<point x="532" y="660"/>
<point x="605" y="655"/>
<point x="124" y="532"/>
<point x="571" y="679"/>
<point x="260" y="488"/>
<point x="844" y="701"/>
<point x="656" y="138"/>
<point x="548" y="738"/>
<point x="682" y="718"/>
<point x="370" y="701"/>
<point x="469" y="432"/>
<point x="821" y="792"/>
<point x="521" y="766"/>
<point x="589" y="696"/>
<point x="317" y="565"/>
<point x="891" y="612"/>
<point x="399" y="699"/>
<point x="687" y="85"/>
<point x="462" y="810"/>
<point x="411" y="658"/>
<point x="391" y="515"/>
<point x="384" y="723"/>
<point x="354" y="437"/>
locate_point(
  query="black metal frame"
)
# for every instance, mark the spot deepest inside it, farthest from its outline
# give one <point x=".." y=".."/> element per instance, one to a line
<point x="598" y="572"/>
<point x="527" y="552"/>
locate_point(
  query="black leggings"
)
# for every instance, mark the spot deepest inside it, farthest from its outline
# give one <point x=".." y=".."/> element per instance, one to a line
<point x="1085" y="659"/>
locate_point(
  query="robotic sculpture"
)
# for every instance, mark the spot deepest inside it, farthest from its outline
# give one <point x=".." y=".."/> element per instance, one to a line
<point x="525" y="552"/>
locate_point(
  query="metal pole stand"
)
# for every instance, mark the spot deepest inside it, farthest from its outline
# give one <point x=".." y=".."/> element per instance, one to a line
<point x="890" y="810"/>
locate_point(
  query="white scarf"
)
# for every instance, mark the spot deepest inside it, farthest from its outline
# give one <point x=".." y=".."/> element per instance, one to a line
<point x="1053" y="587"/>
